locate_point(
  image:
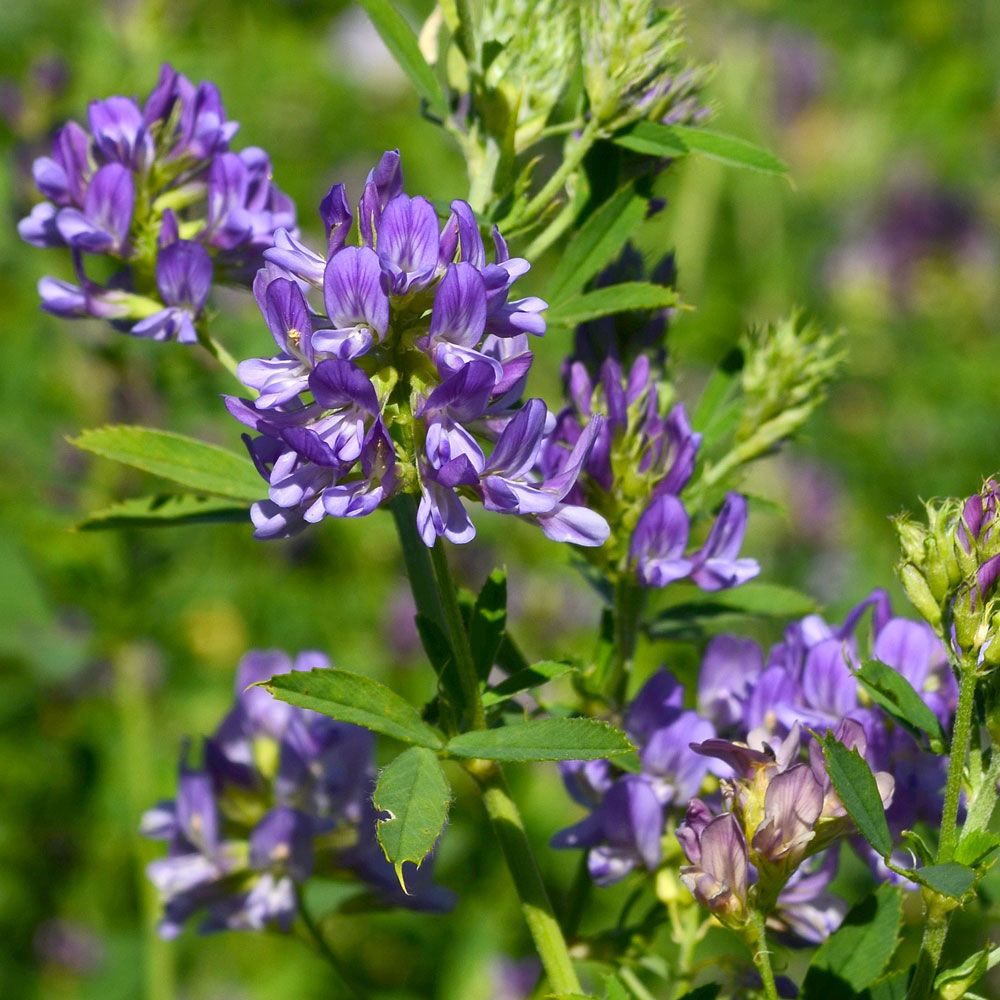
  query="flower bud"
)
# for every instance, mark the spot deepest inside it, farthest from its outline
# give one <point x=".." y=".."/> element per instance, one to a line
<point x="919" y="593"/>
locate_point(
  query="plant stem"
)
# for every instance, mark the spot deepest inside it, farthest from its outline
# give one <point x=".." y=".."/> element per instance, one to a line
<point x="687" y="934"/>
<point x="634" y="983"/>
<point x="555" y="229"/>
<point x="541" y="201"/>
<point x="936" y="928"/>
<point x="217" y="351"/>
<point x="464" y="665"/>
<point x="345" y="979"/>
<point x="762" y="956"/>
<point x="417" y="558"/>
<point x="629" y="600"/>
<point x="578" y="895"/>
<point x="535" y="903"/>
<point x="960" y="739"/>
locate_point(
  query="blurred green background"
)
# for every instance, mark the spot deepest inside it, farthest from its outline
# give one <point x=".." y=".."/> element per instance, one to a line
<point x="114" y="646"/>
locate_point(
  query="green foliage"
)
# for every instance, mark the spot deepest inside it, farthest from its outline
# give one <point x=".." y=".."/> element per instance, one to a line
<point x="948" y="879"/>
<point x="206" y="468"/>
<point x="402" y="43"/>
<point x="855" y="956"/>
<point x="855" y="784"/>
<point x="599" y="239"/>
<point x="977" y="848"/>
<point x="608" y="301"/>
<point x="653" y="139"/>
<point x="356" y="699"/>
<point x="542" y="739"/>
<point x="414" y="793"/>
<point x="890" y="689"/>
<point x="526" y="679"/>
<point x="165" y="510"/>
<point x="488" y="622"/>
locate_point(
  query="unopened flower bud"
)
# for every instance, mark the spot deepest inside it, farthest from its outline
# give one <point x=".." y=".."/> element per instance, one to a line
<point x="919" y="593"/>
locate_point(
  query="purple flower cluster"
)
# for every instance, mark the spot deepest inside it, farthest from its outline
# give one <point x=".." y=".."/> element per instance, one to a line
<point x="156" y="190"/>
<point x="408" y="380"/>
<point x="281" y="794"/>
<point x="640" y="462"/>
<point x="806" y="681"/>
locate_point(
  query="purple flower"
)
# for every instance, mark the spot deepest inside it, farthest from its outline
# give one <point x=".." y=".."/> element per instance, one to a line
<point x="282" y="795"/>
<point x="719" y="873"/>
<point x="137" y="178"/>
<point x="438" y="359"/>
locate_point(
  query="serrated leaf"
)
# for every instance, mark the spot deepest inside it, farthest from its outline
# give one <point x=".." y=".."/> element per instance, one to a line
<point x="165" y="510"/>
<point x="652" y="139"/>
<point x="855" y="784"/>
<point x="947" y="879"/>
<point x="597" y="242"/>
<point x="533" y="676"/>
<point x="402" y="43"/>
<point x="413" y="794"/>
<point x="357" y="699"/>
<point x="543" y="739"/>
<point x="203" y="467"/>
<point x="729" y="149"/>
<point x="856" y="954"/>
<point x="890" y="689"/>
<point x="621" y="298"/>
<point x="488" y="622"/>
<point x="975" y="847"/>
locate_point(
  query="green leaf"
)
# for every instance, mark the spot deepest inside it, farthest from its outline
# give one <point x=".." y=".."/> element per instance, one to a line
<point x="533" y="676"/>
<point x="608" y="301"/>
<point x="856" y="955"/>
<point x="357" y="699"/>
<point x="652" y="139"/>
<point x="543" y="739"/>
<point x="890" y="689"/>
<point x="855" y="784"/>
<point x="488" y="622"/>
<point x="203" y="467"/>
<point x="948" y="879"/>
<point x="165" y="510"/>
<point x="414" y="794"/>
<point x="614" y="989"/>
<point x="729" y="149"/>
<point x="954" y="983"/>
<point x="597" y="242"/>
<point x="893" y="986"/>
<point x="402" y="43"/>
<point x="765" y="600"/>
<point x="976" y="847"/>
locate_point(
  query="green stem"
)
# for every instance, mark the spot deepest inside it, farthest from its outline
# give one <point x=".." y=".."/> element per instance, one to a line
<point x="579" y="893"/>
<point x="552" y="232"/>
<point x="687" y="934"/>
<point x="936" y="928"/>
<point x="762" y="956"/>
<point x="629" y="601"/>
<point x="541" y="201"/>
<point x="218" y="351"/>
<point x="634" y="983"/>
<point x="960" y="739"/>
<point x="345" y="979"/>
<point x="417" y="558"/>
<point x="465" y="667"/>
<point x="535" y="903"/>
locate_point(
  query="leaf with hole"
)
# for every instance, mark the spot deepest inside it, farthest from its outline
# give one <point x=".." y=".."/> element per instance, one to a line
<point x="412" y="795"/>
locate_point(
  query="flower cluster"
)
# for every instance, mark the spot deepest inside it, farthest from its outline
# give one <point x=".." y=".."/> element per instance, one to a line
<point x="412" y="371"/>
<point x="777" y="814"/>
<point x="281" y="794"/>
<point x="156" y="191"/>
<point x="641" y="460"/>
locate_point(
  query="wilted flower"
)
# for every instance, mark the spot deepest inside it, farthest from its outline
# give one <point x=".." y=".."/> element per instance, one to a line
<point x="281" y="794"/>
<point x="410" y="379"/>
<point x="155" y="190"/>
